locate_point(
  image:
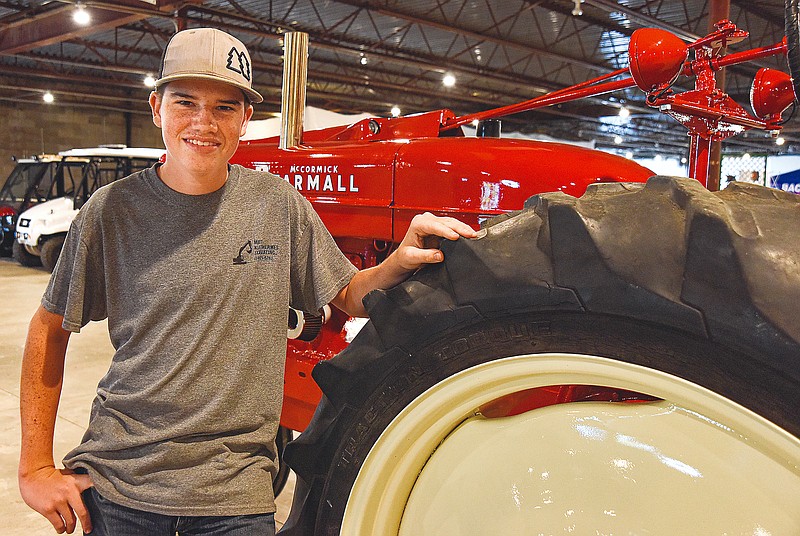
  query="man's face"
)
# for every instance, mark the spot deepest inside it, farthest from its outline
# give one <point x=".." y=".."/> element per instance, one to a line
<point x="201" y="122"/>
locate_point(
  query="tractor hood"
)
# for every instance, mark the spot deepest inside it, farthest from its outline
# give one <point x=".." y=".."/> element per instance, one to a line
<point x="368" y="180"/>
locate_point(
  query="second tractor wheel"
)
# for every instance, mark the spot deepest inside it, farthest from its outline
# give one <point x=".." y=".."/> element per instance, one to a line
<point x="50" y="252"/>
<point x="22" y="256"/>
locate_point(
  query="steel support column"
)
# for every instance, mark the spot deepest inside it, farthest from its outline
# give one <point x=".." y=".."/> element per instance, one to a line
<point x="718" y="10"/>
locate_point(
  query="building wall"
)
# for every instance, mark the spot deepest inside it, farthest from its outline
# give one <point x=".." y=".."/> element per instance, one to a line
<point x="30" y="129"/>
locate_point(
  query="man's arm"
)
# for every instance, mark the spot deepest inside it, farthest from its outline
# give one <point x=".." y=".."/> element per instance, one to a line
<point x="409" y="256"/>
<point x="54" y="493"/>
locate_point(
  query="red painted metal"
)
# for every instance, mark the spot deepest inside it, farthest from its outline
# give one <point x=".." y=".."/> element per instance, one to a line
<point x="539" y="397"/>
<point x="557" y="97"/>
<point x="771" y="94"/>
<point x="749" y="55"/>
<point x="368" y="180"/>
<point x="708" y="112"/>
<point x="498" y="176"/>
<point x="699" y="154"/>
<point x="656" y="58"/>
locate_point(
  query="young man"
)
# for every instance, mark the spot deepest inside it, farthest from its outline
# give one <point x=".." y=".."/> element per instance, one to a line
<point x="181" y="434"/>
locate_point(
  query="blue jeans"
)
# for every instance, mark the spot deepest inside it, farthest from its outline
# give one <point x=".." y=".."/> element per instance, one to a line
<point x="111" y="519"/>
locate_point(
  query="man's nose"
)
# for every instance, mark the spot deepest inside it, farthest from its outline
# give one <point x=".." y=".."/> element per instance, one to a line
<point x="204" y="116"/>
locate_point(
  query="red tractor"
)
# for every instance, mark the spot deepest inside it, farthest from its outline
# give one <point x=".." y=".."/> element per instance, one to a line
<point x="668" y="311"/>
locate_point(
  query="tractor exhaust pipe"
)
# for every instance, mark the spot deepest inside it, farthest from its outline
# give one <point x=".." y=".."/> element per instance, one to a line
<point x="293" y="91"/>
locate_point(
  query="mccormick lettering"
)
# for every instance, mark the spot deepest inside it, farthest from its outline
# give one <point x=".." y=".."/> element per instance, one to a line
<point x="314" y="169"/>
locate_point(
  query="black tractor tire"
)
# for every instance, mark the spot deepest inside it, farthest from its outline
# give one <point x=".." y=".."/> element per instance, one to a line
<point x="282" y="438"/>
<point x="50" y="251"/>
<point x="21" y="255"/>
<point x="669" y="276"/>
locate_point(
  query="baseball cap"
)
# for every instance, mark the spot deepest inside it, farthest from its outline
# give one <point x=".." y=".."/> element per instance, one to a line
<point x="208" y="53"/>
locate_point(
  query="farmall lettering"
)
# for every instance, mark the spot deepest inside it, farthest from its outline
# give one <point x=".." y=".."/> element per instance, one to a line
<point x="315" y="178"/>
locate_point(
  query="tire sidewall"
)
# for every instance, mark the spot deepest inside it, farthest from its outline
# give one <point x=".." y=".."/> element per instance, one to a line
<point x="696" y="360"/>
<point x="21" y="255"/>
<point x="50" y="251"/>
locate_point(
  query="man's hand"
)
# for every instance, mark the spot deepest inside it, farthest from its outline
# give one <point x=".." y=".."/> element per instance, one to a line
<point x="56" y="494"/>
<point x="416" y="248"/>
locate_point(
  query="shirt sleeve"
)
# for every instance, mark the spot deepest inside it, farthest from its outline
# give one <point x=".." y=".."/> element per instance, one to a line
<point x="77" y="287"/>
<point x="319" y="270"/>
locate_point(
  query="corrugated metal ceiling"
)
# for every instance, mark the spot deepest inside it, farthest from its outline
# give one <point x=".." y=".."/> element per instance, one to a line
<point x="370" y="55"/>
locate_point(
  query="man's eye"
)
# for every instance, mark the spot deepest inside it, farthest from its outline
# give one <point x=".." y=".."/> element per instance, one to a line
<point x="184" y="103"/>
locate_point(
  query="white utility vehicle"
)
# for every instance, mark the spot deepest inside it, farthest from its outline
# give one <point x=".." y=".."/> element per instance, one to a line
<point x="41" y="229"/>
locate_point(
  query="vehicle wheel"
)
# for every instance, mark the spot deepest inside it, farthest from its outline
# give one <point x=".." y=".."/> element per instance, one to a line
<point x="281" y="439"/>
<point x="667" y="290"/>
<point x="51" y="249"/>
<point x="22" y="256"/>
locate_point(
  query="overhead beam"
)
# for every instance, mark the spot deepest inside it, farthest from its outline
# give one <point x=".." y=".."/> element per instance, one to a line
<point x="642" y="19"/>
<point x="56" y="26"/>
<point x="27" y="31"/>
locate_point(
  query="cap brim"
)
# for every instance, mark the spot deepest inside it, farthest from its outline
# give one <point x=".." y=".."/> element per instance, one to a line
<point x="254" y="96"/>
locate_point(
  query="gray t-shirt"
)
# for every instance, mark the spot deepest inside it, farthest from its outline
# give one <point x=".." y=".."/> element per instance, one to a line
<point x="196" y="290"/>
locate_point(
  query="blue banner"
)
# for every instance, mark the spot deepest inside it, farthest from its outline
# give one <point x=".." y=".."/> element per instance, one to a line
<point x="788" y="182"/>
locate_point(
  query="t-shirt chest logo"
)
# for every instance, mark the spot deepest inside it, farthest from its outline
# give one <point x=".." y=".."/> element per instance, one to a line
<point x="257" y="251"/>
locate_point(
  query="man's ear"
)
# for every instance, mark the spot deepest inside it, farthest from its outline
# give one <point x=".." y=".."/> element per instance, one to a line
<point x="155" y="107"/>
<point x="248" y="113"/>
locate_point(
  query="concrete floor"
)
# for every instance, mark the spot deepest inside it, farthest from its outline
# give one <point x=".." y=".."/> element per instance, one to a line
<point x="88" y="356"/>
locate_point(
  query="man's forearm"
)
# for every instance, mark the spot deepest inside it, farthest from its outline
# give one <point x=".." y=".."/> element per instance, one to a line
<point x="385" y="275"/>
<point x="40" y="389"/>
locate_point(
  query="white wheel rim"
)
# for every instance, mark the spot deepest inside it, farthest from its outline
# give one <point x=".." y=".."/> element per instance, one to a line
<point x="388" y="475"/>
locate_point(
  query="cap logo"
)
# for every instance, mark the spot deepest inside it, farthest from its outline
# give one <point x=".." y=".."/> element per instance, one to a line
<point x="238" y="63"/>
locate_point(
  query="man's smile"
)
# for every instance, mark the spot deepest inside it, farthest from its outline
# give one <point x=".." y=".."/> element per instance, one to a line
<point x="201" y="143"/>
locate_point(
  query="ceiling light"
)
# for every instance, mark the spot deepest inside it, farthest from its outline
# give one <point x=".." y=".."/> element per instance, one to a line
<point x="780" y="140"/>
<point x="617" y="139"/>
<point x="396" y="111"/>
<point x="624" y="113"/>
<point x="746" y="156"/>
<point x="629" y="155"/>
<point x="149" y="81"/>
<point x="475" y="123"/>
<point x="364" y="60"/>
<point x="449" y="80"/>
<point x="657" y="158"/>
<point x="48" y="97"/>
<point x="81" y="16"/>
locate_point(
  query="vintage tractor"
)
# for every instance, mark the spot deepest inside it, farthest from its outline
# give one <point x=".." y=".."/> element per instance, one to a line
<point x="368" y="180"/>
<point x="627" y="361"/>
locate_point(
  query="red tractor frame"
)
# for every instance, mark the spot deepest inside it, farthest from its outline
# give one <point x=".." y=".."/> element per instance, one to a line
<point x="368" y="180"/>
